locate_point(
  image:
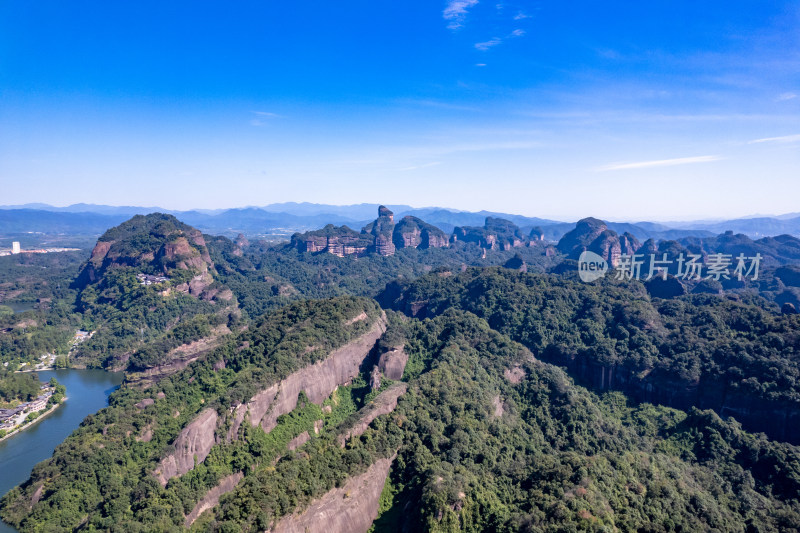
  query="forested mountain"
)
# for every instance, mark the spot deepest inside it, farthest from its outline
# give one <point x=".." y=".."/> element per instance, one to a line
<point x="695" y="351"/>
<point x="266" y="388"/>
<point x="486" y="438"/>
<point x="148" y="288"/>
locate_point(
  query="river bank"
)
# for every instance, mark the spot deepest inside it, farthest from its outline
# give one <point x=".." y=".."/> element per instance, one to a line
<point x="88" y="393"/>
<point x="26" y="425"/>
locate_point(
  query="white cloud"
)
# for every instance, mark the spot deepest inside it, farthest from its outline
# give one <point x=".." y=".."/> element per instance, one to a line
<point x="456" y="11"/>
<point x="660" y="163"/>
<point x="488" y="44"/>
<point x="480" y="64"/>
<point x="521" y="15"/>
<point x="262" y="117"/>
<point x="786" y="96"/>
<point x="517" y="33"/>
<point x="784" y="139"/>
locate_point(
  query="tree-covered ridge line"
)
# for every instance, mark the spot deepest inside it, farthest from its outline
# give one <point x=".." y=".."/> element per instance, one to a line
<point x="488" y="438"/>
<point x="696" y="350"/>
<point x="273" y="347"/>
<point x="252" y="279"/>
<point x="498" y="441"/>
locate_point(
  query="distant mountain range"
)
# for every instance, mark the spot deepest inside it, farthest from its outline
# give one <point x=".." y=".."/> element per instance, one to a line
<point x="280" y="220"/>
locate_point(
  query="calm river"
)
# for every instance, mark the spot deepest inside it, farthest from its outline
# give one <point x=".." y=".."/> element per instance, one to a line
<point x="87" y="393"/>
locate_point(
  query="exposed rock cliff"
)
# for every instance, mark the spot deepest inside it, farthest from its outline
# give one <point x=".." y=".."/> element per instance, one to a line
<point x="381" y="236"/>
<point x="393" y="363"/>
<point x="179" y="358"/>
<point x="382" y="230"/>
<point x="348" y="509"/>
<point x="778" y="420"/>
<point x="593" y="235"/>
<point x="336" y="240"/>
<point x="192" y="445"/>
<point x="156" y="244"/>
<point x="211" y="498"/>
<point x="496" y="233"/>
<point x="412" y="232"/>
<point x="318" y="381"/>
<point x="383" y="404"/>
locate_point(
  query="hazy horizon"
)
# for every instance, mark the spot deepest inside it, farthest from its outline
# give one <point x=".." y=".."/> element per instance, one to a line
<point x="679" y="111"/>
<point x="412" y="207"/>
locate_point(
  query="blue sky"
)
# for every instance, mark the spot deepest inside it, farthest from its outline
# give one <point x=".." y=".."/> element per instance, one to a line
<point x="657" y="110"/>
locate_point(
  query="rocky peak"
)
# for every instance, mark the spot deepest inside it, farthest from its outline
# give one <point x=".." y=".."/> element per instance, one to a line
<point x="156" y="244"/>
<point x="496" y="233"/>
<point x="412" y="232"/>
<point x="382" y="229"/>
<point x="384" y="212"/>
<point x="574" y="242"/>
<point x="336" y="240"/>
<point x="629" y="244"/>
<point x="593" y="234"/>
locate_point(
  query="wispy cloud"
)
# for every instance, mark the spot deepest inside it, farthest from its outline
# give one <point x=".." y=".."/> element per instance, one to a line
<point x="262" y="117"/>
<point x="521" y="16"/>
<point x="494" y="41"/>
<point x="660" y="163"/>
<point x="488" y="44"/>
<point x="784" y="139"/>
<point x="456" y="11"/>
<point x="786" y="96"/>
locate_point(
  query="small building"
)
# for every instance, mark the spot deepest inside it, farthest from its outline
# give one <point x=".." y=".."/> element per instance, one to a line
<point x="147" y="279"/>
<point x="15" y="248"/>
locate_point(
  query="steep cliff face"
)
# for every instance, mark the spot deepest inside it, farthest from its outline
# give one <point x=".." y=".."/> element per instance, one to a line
<point x="381" y="237"/>
<point x="384" y="246"/>
<point x="412" y="232"/>
<point x="629" y="245"/>
<point x="336" y="240"/>
<point x="383" y="404"/>
<point x="382" y="229"/>
<point x="192" y="444"/>
<point x="178" y="359"/>
<point x="607" y="246"/>
<point x="211" y="498"/>
<point x="779" y="421"/>
<point x="157" y="244"/>
<point x="317" y="381"/>
<point x="496" y="233"/>
<point x="574" y="242"/>
<point x="348" y="509"/>
<point x="393" y="363"/>
<point x="593" y="235"/>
